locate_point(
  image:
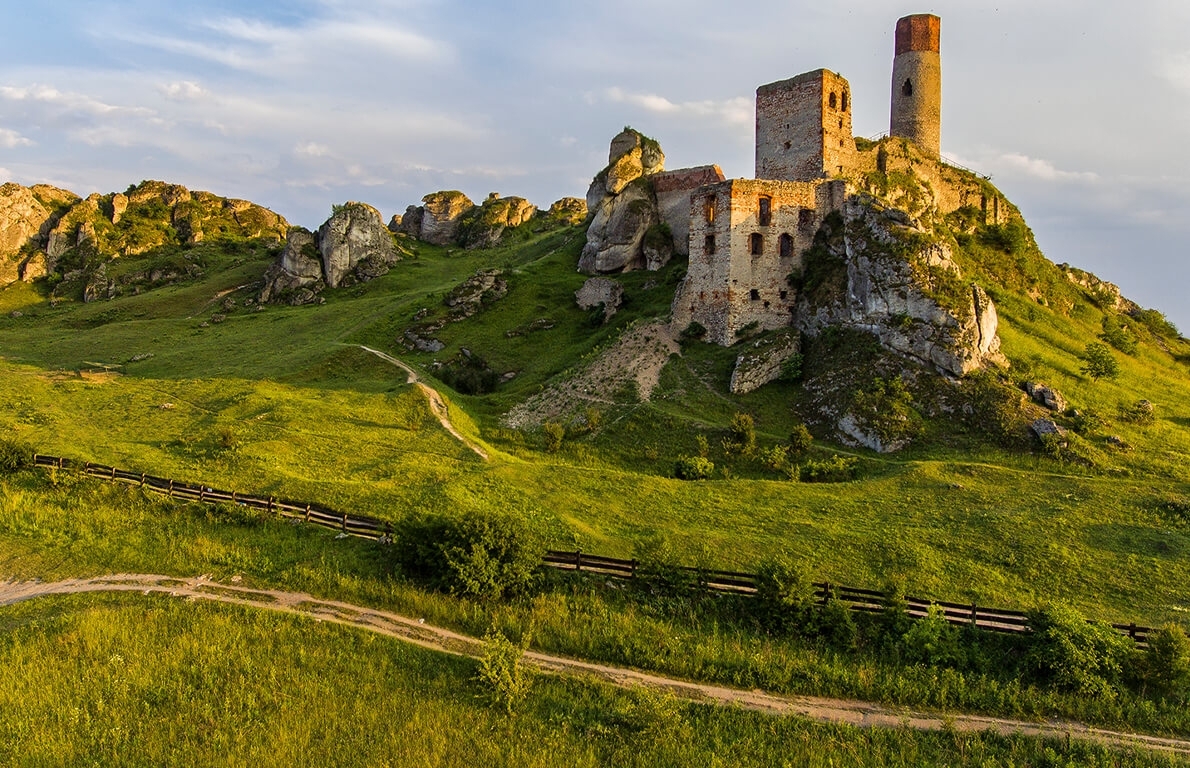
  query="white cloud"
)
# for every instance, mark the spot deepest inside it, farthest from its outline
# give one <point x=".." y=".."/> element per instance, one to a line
<point x="11" y="139"/>
<point x="183" y="90"/>
<point x="735" y="111"/>
<point x="312" y="149"/>
<point x="73" y="102"/>
<point x="1038" y="168"/>
<point x="1175" y="67"/>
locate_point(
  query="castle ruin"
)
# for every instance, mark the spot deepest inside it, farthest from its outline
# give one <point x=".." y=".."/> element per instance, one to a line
<point x="747" y="236"/>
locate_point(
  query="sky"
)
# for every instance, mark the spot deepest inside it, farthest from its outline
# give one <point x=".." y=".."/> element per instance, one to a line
<point x="1079" y="110"/>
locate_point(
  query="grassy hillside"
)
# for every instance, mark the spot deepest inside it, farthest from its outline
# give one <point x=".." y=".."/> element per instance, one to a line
<point x="277" y="399"/>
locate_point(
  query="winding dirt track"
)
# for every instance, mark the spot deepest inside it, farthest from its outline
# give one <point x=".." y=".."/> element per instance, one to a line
<point x="437" y="404"/>
<point x="435" y="638"/>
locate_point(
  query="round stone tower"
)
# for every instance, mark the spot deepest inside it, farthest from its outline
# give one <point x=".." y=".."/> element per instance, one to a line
<point x="917" y="83"/>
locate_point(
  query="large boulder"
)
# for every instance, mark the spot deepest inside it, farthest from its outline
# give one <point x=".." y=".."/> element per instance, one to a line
<point x="600" y="292"/>
<point x="440" y="216"/>
<point x="1046" y="395"/>
<point x="616" y="236"/>
<point x="355" y="244"/>
<point x="624" y="208"/>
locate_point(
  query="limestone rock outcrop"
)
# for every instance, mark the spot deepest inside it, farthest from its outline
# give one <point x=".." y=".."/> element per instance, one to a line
<point x="600" y="292"/>
<point x="473" y="294"/>
<point x="353" y="245"/>
<point x="568" y="210"/>
<point x="764" y="361"/>
<point x="440" y="216"/>
<point x="624" y="209"/>
<point x="484" y="225"/>
<point x="902" y="286"/>
<point x="1043" y="394"/>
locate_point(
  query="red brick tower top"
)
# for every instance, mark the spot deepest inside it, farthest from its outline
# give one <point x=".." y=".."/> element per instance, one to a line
<point x="919" y="32"/>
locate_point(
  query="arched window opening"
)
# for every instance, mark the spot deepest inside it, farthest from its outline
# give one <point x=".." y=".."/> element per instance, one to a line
<point x="754" y="295"/>
<point x="907" y="88"/>
<point x="756" y="244"/>
<point x="709" y="245"/>
<point x="786" y="243"/>
<point x="766" y="211"/>
<point x="833" y="100"/>
<point x="710" y="208"/>
<point x="844" y="101"/>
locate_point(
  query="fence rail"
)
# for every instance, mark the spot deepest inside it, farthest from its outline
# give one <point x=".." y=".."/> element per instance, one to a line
<point x="729" y="582"/>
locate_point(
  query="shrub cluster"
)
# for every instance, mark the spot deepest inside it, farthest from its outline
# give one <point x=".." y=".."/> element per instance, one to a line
<point x="14" y="455"/>
<point x="486" y="555"/>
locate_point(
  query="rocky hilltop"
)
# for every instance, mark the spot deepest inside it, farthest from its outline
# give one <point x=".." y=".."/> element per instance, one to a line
<point x="52" y="233"/>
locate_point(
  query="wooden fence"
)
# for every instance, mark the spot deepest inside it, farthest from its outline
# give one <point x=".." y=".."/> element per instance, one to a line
<point x="731" y="582"/>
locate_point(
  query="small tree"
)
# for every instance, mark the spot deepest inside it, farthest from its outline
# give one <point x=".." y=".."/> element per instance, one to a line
<point x="501" y="671"/>
<point x="800" y="440"/>
<point x="1165" y="667"/>
<point x="1076" y="655"/>
<point x="552" y="433"/>
<point x="741" y="435"/>
<point x="1099" y="363"/>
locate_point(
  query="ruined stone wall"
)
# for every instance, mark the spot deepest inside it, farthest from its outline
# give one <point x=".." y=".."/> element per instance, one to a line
<point x="733" y="280"/>
<point x="673" y="190"/>
<point x="803" y="127"/>
<point x="949" y="188"/>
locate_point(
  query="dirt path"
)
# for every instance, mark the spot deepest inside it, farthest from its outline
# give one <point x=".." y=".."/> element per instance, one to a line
<point x="437" y="404"/>
<point x="416" y="631"/>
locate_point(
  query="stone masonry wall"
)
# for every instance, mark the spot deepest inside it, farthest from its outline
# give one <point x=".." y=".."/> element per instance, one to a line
<point x="729" y="286"/>
<point x="673" y="190"/>
<point x="803" y="127"/>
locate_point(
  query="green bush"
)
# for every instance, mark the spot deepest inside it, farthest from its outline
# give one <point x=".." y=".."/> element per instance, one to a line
<point x="14" y="455"/>
<point x="694" y="331"/>
<point x="501" y="672"/>
<point x="784" y="599"/>
<point x="486" y="555"/>
<point x="658" y="572"/>
<point x="886" y="409"/>
<point x="1085" y="658"/>
<point x="1165" y="666"/>
<point x="693" y="468"/>
<point x="741" y="435"/>
<point x="1157" y="323"/>
<point x="1118" y="335"/>
<point x="800" y="440"/>
<point x="1098" y="362"/>
<point x="835" y="624"/>
<point x="552" y="434"/>
<point x="775" y="457"/>
<point x="836" y="469"/>
<point x="933" y="641"/>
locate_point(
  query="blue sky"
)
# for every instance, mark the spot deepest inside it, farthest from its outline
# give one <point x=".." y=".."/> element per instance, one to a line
<point x="1078" y="109"/>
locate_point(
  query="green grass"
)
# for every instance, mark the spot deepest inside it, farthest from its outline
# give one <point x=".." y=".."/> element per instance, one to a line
<point x="314" y="418"/>
<point x="134" y="680"/>
<point x="69" y="525"/>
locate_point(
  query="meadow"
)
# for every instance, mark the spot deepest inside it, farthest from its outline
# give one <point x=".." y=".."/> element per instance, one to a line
<point x="282" y="400"/>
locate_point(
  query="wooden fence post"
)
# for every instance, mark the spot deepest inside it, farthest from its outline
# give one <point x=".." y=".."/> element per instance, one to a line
<point x="202" y="493"/>
<point x="578" y="560"/>
<point x="113" y="473"/>
<point x="344" y="522"/>
<point x="826" y="592"/>
<point x="307" y="513"/>
<point x="171" y="489"/>
<point x="974" y="615"/>
<point x="270" y="505"/>
<point x="632" y="575"/>
<point x="142" y="479"/>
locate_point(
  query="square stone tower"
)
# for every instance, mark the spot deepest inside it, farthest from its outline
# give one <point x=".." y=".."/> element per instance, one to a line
<point x="803" y="127"/>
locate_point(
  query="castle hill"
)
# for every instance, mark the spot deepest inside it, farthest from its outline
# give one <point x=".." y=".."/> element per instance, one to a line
<point x="830" y="464"/>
